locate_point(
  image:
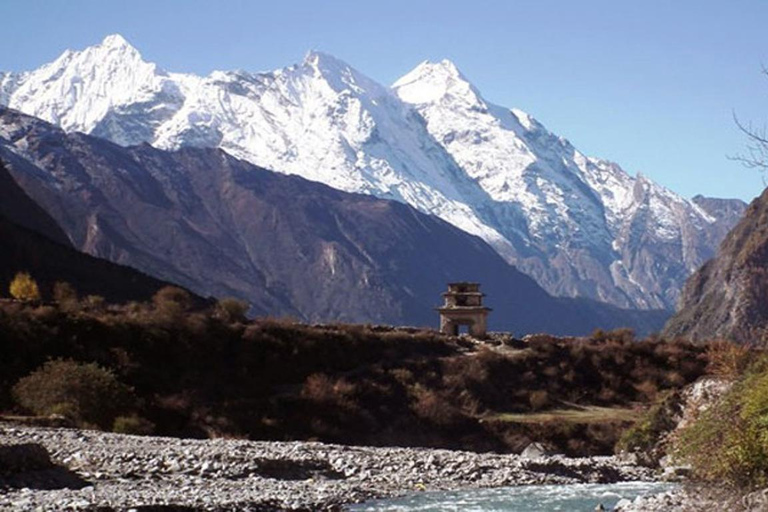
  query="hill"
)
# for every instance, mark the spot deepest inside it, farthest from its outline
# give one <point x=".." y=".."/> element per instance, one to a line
<point x="50" y="261"/>
<point x="728" y="296"/>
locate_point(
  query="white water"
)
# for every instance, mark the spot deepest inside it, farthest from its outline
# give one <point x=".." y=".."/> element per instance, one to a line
<point x="570" y="498"/>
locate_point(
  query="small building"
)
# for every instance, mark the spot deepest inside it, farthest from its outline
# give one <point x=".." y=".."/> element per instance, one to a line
<point x="463" y="305"/>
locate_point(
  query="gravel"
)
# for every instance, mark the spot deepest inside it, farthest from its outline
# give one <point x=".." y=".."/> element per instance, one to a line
<point x="121" y="472"/>
<point x="693" y="497"/>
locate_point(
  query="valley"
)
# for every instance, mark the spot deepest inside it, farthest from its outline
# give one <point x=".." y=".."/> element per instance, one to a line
<point x="222" y="290"/>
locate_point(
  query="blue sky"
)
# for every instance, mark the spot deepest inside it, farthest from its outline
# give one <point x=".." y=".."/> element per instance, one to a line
<point x="650" y="84"/>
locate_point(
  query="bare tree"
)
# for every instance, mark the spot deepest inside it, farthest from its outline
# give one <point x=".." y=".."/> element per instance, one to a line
<point x="756" y="155"/>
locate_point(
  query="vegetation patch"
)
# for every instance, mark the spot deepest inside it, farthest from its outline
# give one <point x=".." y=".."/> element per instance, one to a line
<point x="86" y="394"/>
<point x="729" y="441"/>
<point x="205" y="370"/>
<point x="578" y="414"/>
<point x="647" y="435"/>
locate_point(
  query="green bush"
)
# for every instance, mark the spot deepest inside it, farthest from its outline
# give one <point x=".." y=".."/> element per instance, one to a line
<point x="85" y="393"/>
<point x="730" y="440"/>
<point x="647" y="431"/>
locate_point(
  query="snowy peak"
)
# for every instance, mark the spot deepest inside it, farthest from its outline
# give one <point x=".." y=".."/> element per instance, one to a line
<point x="339" y="75"/>
<point x="325" y="62"/>
<point x="444" y="72"/>
<point x="113" y="53"/>
<point x="115" y="49"/>
<point x="433" y="82"/>
<point x="79" y="89"/>
<point x="116" y="41"/>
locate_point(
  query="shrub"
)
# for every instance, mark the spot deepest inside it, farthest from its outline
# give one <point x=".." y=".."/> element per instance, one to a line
<point x="95" y="302"/>
<point x="65" y="295"/>
<point x="647" y="432"/>
<point x="45" y="313"/>
<point x="648" y="389"/>
<point x="172" y="296"/>
<point x="135" y="425"/>
<point x="321" y="389"/>
<point x="232" y="310"/>
<point x="171" y="303"/>
<point x="85" y="393"/>
<point x="726" y="359"/>
<point x="622" y="335"/>
<point x="23" y="287"/>
<point x="729" y="441"/>
<point x="431" y="406"/>
<point x="538" y="399"/>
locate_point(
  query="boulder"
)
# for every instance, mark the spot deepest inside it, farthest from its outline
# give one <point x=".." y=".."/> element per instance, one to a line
<point x="536" y="451"/>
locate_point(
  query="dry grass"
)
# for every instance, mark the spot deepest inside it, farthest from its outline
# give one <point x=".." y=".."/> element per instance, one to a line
<point x="579" y="414"/>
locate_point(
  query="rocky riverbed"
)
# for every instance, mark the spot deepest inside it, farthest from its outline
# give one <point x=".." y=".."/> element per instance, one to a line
<point x="693" y="497"/>
<point x="101" y="471"/>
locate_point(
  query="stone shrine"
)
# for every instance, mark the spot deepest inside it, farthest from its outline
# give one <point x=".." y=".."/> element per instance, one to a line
<point x="464" y="306"/>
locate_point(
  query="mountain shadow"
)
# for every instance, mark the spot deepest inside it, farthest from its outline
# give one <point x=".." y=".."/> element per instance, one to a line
<point x="49" y="260"/>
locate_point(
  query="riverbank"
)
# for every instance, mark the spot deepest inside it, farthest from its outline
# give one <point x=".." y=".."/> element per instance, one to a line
<point x="119" y="472"/>
<point x="695" y="497"/>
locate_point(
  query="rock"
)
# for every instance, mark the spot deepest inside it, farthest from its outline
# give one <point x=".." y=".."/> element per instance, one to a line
<point x="676" y="473"/>
<point x="536" y="451"/>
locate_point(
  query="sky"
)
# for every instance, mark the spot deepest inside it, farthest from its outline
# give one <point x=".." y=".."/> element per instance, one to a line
<point x="652" y="85"/>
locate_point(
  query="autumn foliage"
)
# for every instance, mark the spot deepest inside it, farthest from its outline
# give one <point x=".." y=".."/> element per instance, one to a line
<point x="23" y="287"/>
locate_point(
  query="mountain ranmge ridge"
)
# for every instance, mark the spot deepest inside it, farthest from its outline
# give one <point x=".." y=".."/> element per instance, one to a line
<point x="221" y="226"/>
<point x="580" y="226"/>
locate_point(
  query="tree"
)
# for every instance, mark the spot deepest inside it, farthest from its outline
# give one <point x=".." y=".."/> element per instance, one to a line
<point x="23" y="287"/>
<point x="756" y="156"/>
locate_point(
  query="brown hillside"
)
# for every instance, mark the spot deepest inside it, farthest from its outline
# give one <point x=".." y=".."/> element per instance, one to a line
<point x="728" y="296"/>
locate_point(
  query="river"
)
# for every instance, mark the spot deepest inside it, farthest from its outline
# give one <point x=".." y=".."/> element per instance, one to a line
<point x="570" y="498"/>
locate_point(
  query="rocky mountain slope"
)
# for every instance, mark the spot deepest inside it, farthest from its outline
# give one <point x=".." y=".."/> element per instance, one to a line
<point x="16" y="207"/>
<point x="728" y="297"/>
<point x="23" y="225"/>
<point x="221" y="226"/>
<point x="580" y="226"/>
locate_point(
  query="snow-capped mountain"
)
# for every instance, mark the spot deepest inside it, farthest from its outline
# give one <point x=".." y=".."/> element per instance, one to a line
<point x="613" y="236"/>
<point x="220" y="226"/>
<point x="580" y="226"/>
